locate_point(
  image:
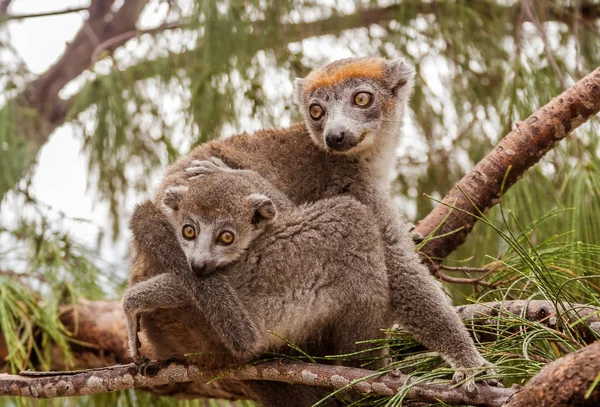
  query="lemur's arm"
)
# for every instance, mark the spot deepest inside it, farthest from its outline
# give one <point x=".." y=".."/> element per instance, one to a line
<point x="213" y="296"/>
<point x="419" y="303"/>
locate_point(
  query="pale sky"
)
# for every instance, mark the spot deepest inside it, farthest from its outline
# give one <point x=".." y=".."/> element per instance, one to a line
<point x="61" y="177"/>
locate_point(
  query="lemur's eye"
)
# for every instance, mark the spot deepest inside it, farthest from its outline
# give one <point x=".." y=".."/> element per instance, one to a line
<point x="226" y="238"/>
<point x="188" y="232"/>
<point x="316" y="111"/>
<point x="363" y="99"/>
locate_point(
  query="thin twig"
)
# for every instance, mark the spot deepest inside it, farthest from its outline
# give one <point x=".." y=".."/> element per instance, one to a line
<point x="466" y="269"/>
<point x="45" y="14"/>
<point x="530" y="7"/>
<point x="126" y="36"/>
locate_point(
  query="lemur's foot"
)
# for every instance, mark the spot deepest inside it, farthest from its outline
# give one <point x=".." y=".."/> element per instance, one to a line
<point x="416" y="236"/>
<point x="198" y="168"/>
<point x="467" y="379"/>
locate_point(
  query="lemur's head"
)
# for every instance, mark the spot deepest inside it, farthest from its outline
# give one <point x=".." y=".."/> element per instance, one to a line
<point x="216" y="218"/>
<point x="350" y="103"/>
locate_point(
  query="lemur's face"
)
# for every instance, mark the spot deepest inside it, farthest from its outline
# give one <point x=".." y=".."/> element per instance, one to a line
<point x="350" y="104"/>
<point x="216" y="221"/>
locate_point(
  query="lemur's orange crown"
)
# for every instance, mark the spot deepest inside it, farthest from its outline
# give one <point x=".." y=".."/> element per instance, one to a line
<point x="336" y="72"/>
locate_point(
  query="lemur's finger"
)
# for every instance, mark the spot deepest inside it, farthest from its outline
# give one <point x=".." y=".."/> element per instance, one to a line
<point x="218" y="162"/>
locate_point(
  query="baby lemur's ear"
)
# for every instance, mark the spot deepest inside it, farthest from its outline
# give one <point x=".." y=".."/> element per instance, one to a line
<point x="173" y="196"/>
<point x="298" y="88"/>
<point x="264" y="210"/>
<point x="399" y="74"/>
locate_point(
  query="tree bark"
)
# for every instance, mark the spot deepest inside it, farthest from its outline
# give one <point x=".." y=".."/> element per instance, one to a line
<point x="116" y="378"/>
<point x="480" y="189"/>
<point x="101" y="324"/>
<point x="564" y="382"/>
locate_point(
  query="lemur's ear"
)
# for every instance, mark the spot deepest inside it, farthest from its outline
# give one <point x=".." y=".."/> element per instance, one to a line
<point x="264" y="210"/>
<point x="298" y="88"/>
<point x="173" y="196"/>
<point x="399" y="74"/>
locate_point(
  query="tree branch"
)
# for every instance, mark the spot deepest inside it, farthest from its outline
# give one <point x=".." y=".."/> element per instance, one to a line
<point x="519" y="150"/>
<point x="583" y="318"/>
<point x="568" y="381"/>
<point x="45" y="14"/>
<point x="101" y="324"/>
<point x="4" y="4"/>
<point x="41" y="96"/>
<point x="38" y="109"/>
<point x="116" y="378"/>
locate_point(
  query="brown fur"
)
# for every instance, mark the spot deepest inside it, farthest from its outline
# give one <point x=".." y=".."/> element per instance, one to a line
<point x="315" y="275"/>
<point x="296" y="161"/>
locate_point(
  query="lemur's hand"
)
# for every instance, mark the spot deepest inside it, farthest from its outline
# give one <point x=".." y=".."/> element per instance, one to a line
<point x="467" y="378"/>
<point x="199" y="168"/>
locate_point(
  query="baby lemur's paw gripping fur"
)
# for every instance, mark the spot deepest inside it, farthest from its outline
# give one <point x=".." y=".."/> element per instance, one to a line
<point x="198" y="168"/>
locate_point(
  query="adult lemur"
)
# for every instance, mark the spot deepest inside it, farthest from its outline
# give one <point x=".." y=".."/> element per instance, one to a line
<point x="353" y="111"/>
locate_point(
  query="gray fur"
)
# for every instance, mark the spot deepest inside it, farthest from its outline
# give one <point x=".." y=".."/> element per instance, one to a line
<point x="299" y="164"/>
<point x="313" y="274"/>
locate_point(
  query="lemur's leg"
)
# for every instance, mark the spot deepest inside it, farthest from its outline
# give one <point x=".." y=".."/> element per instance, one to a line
<point x="161" y="291"/>
<point x="419" y="304"/>
<point x="352" y="328"/>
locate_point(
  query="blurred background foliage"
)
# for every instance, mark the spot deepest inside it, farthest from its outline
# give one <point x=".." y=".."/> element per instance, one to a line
<point x="214" y="68"/>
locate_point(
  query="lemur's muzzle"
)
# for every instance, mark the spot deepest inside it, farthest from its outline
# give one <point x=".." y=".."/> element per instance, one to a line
<point x="339" y="138"/>
<point x="202" y="268"/>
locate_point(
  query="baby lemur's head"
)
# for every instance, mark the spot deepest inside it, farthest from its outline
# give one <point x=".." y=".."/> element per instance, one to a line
<point x="216" y="218"/>
<point x="350" y="104"/>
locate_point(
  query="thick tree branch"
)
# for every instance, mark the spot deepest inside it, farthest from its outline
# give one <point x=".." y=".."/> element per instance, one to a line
<point x="101" y="324"/>
<point x="115" y="378"/>
<point x="519" y="150"/>
<point x="38" y="109"/>
<point x="568" y="381"/>
<point x="4" y="4"/>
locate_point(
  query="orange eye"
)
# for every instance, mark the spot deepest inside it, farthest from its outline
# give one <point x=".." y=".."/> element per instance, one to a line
<point x="188" y="232"/>
<point x="363" y="99"/>
<point x="226" y="238"/>
<point x="315" y="111"/>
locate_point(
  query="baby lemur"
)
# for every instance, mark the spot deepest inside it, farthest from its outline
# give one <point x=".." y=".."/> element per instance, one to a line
<point x="313" y="274"/>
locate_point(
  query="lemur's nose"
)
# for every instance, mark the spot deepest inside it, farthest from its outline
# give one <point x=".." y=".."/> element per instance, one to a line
<point x="335" y="140"/>
<point x="199" y="268"/>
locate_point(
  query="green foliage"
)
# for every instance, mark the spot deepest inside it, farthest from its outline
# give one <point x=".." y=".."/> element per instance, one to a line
<point x="482" y="67"/>
<point x="129" y="398"/>
<point x="51" y="270"/>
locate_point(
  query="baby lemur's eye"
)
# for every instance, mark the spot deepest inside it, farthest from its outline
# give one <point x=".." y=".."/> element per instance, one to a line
<point x="363" y="99"/>
<point x="226" y="238"/>
<point x="189" y="232"/>
<point x="316" y="111"/>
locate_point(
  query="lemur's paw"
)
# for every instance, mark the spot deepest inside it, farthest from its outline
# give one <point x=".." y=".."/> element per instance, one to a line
<point x="246" y="342"/>
<point x="198" y="168"/>
<point x="466" y="378"/>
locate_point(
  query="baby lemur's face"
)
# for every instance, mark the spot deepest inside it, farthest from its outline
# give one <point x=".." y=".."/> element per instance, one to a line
<point x="349" y="105"/>
<point x="216" y="218"/>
